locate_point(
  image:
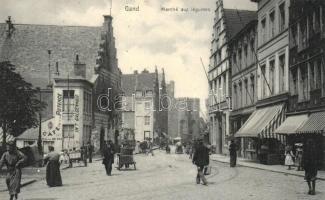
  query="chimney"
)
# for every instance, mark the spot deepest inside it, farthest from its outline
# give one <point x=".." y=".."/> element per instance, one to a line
<point x="79" y="68"/>
<point x="50" y="71"/>
<point x="145" y="71"/>
<point x="77" y="59"/>
<point x="107" y="22"/>
<point x="57" y="69"/>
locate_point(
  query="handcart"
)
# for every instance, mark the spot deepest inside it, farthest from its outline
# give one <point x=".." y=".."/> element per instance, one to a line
<point x="125" y="158"/>
<point x="77" y="157"/>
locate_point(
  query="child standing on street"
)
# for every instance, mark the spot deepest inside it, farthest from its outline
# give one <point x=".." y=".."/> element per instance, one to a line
<point x="289" y="157"/>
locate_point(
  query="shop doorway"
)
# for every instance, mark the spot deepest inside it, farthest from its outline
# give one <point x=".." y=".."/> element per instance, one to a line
<point x="220" y="135"/>
<point x="102" y="139"/>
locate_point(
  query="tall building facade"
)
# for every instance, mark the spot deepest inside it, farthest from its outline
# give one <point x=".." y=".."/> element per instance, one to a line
<point x="188" y="118"/>
<point x="243" y="61"/>
<point x="272" y="81"/>
<point x="107" y="88"/>
<point x="141" y="107"/>
<point x="306" y="111"/>
<point x="172" y="112"/>
<point x="227" y="23"/>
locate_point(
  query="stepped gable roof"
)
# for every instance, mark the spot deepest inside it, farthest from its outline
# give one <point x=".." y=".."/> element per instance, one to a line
<point x="236" y="20"/>
<point x="141" y="81"/>
<point x="128" y="84"/>
<point x="28" y="47"/>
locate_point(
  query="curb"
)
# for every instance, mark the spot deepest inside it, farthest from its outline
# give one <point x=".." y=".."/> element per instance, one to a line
<point x="23" y="184"/>
<point x="64" y="168"/>
<point x="28" y="182"/>
<point x="275" y="171"/>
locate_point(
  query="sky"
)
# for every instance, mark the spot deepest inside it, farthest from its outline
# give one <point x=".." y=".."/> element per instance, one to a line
<point x="173" y="40"/>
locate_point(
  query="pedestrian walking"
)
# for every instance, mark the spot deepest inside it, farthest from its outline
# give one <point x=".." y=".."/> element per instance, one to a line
<point x="201" y="159"/>
<point x="299" y="154"/>
<point x="84" y="154"/>
<point x="90" y="148"/>
<point x="53" y="175"/>
<point x="207" y="168"/>
<point x="310" y="165"/>
<point x="233" y="153"/>
<point x="289" y="157"/>
<point x="191" y="152"/>
<point x="150" y="146"/>
<point x="167" y="149"/>
<point x="108" y="160"/>
<point x="13" y="159"/>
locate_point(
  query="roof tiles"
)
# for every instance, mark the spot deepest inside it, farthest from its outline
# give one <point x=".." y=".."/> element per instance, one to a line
<point x="28" y="49"/>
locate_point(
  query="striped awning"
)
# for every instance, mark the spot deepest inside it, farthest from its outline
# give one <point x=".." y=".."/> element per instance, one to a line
<point x="262" y="122"/>
<point x="292" y="124"/>
<point x="314" y="124"/>
<point x="8" y="136"/>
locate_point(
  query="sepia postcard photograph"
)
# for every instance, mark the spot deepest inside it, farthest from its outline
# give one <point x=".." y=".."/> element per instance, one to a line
<point x="162" y="99"/>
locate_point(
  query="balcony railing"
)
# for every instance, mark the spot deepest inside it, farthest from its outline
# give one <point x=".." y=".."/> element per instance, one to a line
<point x="313" y="102"/>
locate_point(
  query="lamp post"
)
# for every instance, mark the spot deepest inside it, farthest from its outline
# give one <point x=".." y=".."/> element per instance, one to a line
<point x="39" y="141"/>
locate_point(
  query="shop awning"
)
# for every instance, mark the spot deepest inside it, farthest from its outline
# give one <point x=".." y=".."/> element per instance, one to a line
<point x="8" y="138"/>
<point x="292" y="124"/>
<point x="262" y="122"/>
<point x="314" y="124"/>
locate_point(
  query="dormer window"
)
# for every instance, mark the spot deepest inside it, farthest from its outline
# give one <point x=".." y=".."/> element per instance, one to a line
<point x="149" y="93"/>
<point x="138" y="93"/>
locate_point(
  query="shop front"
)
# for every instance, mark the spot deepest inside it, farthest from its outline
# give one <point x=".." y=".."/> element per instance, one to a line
<point x="259" y="142"/>
<point x="299" y="128"/>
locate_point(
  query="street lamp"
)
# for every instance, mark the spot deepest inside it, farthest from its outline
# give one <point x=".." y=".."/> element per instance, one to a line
<point x="39" y="141"/>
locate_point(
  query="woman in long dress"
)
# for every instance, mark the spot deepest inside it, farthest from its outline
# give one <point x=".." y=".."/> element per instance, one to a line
<point x="13" y="159"/>
<point x="53" y="175"/>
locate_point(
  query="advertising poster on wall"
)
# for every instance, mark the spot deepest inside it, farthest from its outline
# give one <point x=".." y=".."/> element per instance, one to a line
<point x="163" y="99"/>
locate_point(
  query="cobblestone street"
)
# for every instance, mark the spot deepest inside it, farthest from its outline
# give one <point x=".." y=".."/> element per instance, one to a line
<point x="170" y="177"/>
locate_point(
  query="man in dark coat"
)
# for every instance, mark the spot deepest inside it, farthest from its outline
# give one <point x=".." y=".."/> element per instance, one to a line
<point x="108" y="160"/>
<point x="233" y="153"/>
<point x="201" y="159"/>
<point x="90" y="151"/>
<point x="309" y="160"/>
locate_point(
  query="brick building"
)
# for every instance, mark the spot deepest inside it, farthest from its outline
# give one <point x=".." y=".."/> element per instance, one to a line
<point x="44" y="52"/>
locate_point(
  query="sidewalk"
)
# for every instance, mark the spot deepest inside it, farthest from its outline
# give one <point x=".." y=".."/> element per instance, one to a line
<point x="272" y="168"/>
<point x="29" y="175"/>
